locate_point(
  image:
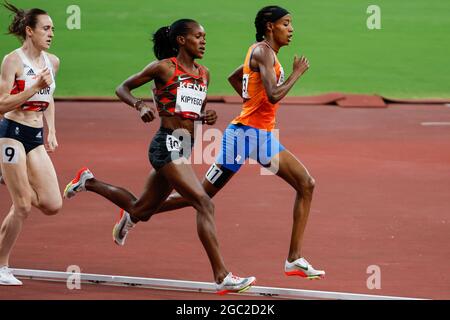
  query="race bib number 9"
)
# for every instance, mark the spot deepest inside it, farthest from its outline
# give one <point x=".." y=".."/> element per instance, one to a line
<point x="190" y="100"/>
<point x="10" y="154"/>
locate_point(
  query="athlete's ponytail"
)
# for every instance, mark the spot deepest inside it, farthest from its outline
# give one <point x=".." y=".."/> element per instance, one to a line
<point x="265" y="15"/>
<point x="22" y="19"/>
<point x="162" y="46"/>
<point x="165" y="43"/>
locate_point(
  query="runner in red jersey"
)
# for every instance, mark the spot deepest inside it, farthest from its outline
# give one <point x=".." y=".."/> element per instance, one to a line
<point x="180" y="96"/>
<point x="26" y="100"/>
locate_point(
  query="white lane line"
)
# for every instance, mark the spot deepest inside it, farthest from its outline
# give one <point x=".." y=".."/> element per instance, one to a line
<point x="435" y="123"/>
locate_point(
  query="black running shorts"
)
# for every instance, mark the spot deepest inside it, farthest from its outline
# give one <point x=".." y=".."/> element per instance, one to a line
<point x="169" y="145"/>
<point x="30" y="137"/>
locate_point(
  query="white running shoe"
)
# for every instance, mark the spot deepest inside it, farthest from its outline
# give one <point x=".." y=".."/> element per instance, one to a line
<point x="233" y="283"/>
<point x="122" y="227"/>
<point x="77" y="184"/>
<point x="302" y="268"/>
<point x="7" y="278"/>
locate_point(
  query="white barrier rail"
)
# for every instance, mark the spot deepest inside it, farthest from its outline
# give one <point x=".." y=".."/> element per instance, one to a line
<point x="192" y="286"/>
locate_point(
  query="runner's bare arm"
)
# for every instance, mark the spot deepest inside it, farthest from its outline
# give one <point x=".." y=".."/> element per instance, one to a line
<point x="156" y="70"/>
<point x="209" y="117"/>
<point x="49" y="113"/>
<point x="208" y="79"/>
<point x="235" y="79"/>
<point x="264" y="60"/>
<point x="150" y="72"/>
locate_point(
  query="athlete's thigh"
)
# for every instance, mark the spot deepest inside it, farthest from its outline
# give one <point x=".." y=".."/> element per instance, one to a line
<point x="43" y="177"/>
<point x="183" y="179"/>
<point x="234" y="149"/>
<point x="14" y="169"/>
<point x="176" y="200"/>
<point x="233" y="152"/>
<point x="290" y="169"/>
<point x="156" y="190"/>
<point x="216" y="178"/>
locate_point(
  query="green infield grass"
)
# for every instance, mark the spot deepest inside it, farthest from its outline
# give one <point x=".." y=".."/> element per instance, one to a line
<point x="407" y="58"/>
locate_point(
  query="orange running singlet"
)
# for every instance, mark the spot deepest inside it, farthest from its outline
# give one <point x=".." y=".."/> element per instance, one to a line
<point x="257" y="111"/>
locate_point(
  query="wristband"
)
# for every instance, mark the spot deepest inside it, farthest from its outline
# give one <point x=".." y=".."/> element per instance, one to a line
<point x="137" y="104"/>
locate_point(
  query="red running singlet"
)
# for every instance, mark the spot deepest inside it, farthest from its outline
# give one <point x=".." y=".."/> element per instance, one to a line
<point x="184" y="94"/>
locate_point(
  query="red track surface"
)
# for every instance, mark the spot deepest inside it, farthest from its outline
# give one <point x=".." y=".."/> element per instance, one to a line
<point x="382" y="198"/>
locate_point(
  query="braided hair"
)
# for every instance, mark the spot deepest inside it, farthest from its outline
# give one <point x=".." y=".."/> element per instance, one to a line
<point x="165" y="38"/>
<point x="265" y="15"/>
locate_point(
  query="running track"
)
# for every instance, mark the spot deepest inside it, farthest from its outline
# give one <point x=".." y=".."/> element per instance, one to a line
<point x="382" y="198"/>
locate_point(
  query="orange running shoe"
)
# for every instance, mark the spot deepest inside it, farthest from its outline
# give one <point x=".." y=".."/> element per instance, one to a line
<point x="77" y="184"/>
<point x="122" y="227"/>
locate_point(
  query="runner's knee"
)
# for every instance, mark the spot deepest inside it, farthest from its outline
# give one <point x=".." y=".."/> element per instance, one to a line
<point x="310" y="183"/>
<point x="305" y="185"/>
<point x="203" y="203"/>
<point x="51" y="209"/>
<point x="22" y="207"/>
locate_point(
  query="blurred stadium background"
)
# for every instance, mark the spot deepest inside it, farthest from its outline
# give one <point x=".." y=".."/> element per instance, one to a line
<point x="407" y="58"/>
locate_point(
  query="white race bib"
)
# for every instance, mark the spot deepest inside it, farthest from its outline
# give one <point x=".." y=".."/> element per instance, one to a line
<point x="245" y="86"/>
<point x="281" y="78"/>
<point x="213" y="173"/>
<point x="189" y="100"/>
<point x="172" y="143"/>
<point x="10" y="154"/>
